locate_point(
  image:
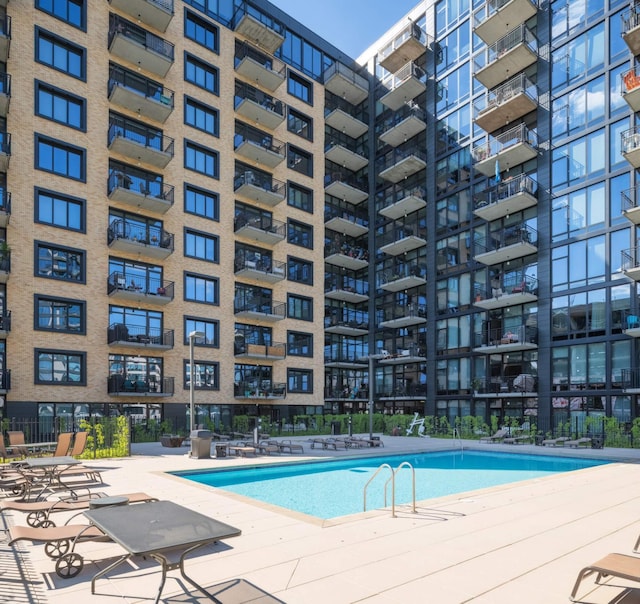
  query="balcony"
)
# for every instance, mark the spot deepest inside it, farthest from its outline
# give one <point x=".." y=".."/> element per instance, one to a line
<point x="132" y="191"/>
<point x="339" y="327"/>
<point x="132" y="336"/>
<point x="140" y="47"/>
<point x="5" y="151"/>
<point x="140" y="95"/>
<point x="5" y="381"/>
<point x="630" y="88"/>
<point x="346" y="186"/>
<point x="154" y="13"/>
<point x="258" y="107"/>
<point x="506" y="103"/>
<point x="135" y="141"/>
<point x="260" y="187"/>
<point x="5" y="93"/>
<point x="257" y="146"/>
<point x="259" y="28"/>
<point x="276" y="351"/>
<point x="5" y="38"/>
<point x="264" y="311"/>
<point x="506" y="244"/>
<point x="630" y="323"/>
<point x="505" y="198"/>
<point x="346" y="83"/>
<point x="265" y="390"/>
<point x="151" y="242"/>
<point x="631" y="28"/>
<point x="346" y="219"/>
<point x="122" y="385"/>
<point x="260" y="228"/>
<point x="630" y="205"/>
<point x="408" y="45"/>
<point x="631" y="146"/>
<point x="341" y="116"/>
<point x="140" y="290"/>
<point x="631" y="263"/>
<point x="5" y="207"/>
<point x="405" y="124"/>
<point x="401" y="163"/>
<point x="400" y="356"/>
<point x="340" y="359"/>
<point x="351" y="257"/>
<point x="345" y="153"/>
<point x="5" y="266"/>
<point x="399" y="317"/>
<point x="260" y="267"/>
<point x="505" y="151"/>
<point x="408" y="201"/>
<point x="513" y="289"/>
<point x="346" y="289"/>
<point x="5" y="323"/>
<point x="494" y="17"/>
<point x="402" y="277"/>
<point x="511" y="54"/>
<point x="506" y="339"/>
<point x="405" y="85"/>
<point x="400" y="239"/>
<point x="265" y="70"/>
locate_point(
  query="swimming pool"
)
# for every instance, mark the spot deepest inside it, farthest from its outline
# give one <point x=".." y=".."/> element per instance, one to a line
<point x="329" y="489"/>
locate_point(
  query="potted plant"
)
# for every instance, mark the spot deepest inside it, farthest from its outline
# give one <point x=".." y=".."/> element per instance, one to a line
<point x="476" y="383"/>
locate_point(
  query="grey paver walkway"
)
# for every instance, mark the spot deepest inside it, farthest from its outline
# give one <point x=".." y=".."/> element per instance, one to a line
<point x="511" y="544"/>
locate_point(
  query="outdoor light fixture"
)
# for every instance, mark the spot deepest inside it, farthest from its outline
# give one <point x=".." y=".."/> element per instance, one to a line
<point x="192" y="337"/>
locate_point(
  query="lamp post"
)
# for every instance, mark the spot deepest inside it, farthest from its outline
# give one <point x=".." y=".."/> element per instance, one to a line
<point x="371" y="381"/>
<point x="192" y="336"/>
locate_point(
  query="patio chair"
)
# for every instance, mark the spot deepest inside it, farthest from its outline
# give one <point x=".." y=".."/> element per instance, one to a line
<point x="267" y="447"/>
<point x="585" y="441"/>
<point x="59" y="543"/>
<point x="63" y="445"/>
<point x="555" y="442"/>
<point x="8" y="454"/>
<point x="39" y="511"/>
<point x="17" y="442"/>
<point x="288" y="445"/>
<point x="495" y="437"/>
<point x="622" y="566"/>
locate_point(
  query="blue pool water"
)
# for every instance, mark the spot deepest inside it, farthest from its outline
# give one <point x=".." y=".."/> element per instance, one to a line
<point x="329" y="489"/>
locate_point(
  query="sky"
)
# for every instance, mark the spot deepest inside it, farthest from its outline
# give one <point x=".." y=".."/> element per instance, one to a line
<point x="350" y="25"/>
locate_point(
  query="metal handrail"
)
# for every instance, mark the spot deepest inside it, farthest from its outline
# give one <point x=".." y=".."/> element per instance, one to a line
<point x="404" y="464"/>
<point x="393" y="490"/>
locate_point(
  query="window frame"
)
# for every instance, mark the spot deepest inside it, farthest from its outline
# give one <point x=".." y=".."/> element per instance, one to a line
<point x="39" y="298"/>
<point x="69" y="47"/>
<point x="306" y="307"/>
<point x="201" y="108"/>
<point x="305" y="206"/>
<point x="205" y="67"/>
<point x="295" y="376"/>
<point x="186" y="374"/>
<point x="65" y="96"/>
<point x="215" y="201"/>
<point x="207" y="26"/>
<point x="199" y="324"/>
<point x="61" y="198"/>
<point x="207" y="237"/>
<point x="54" y="248"/>
<point x="205" y="279"/>
<point x="301" y="262"/>
<point x="38" y="352"/>
<point x="202" y="151"/>
<point x="293" y="116"/>
<point x="82" y="7"/>
<point x="63" y="146"/>
<point x="295" y="82"/>
<point x="291" y="335"/>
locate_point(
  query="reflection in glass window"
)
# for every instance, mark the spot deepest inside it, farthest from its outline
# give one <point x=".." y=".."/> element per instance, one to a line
<point x="60" y="367"/>
<point x="59" y="314"/>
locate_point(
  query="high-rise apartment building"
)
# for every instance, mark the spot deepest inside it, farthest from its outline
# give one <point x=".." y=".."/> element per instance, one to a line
<point x="445" y="226"/>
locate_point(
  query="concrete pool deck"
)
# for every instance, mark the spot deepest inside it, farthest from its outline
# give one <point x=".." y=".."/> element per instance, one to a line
<point x="516" y="543"/>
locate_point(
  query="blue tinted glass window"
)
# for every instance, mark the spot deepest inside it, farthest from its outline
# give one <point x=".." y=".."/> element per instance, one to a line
<point x="59" y="210"/>
<point x="201" y="116"/>
<point x="60" y="158"/>
<point x="71" y="11"/>
<point x="60" y="106"/>
<point x="201" y="159"/>
<point x="200" y="202"/>
<point x="201" y="31"/>
<point x="60" y="54"/>
<point x="201" y="246"/>
<point x="201" y="74"/>
<point x="199" y="288"/>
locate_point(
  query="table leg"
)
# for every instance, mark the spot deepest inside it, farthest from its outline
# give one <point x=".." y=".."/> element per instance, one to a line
<point x="109" y="568"/>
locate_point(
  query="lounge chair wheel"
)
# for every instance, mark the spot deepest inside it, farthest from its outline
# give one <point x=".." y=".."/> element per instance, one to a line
<point x="69" y="565"/>
<point x="56" y="549"/>
<point x="37" y="518"/>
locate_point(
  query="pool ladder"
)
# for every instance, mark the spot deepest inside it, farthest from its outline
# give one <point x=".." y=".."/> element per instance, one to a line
<point x="457" y="437"/>
<point x="392" y="480"/>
